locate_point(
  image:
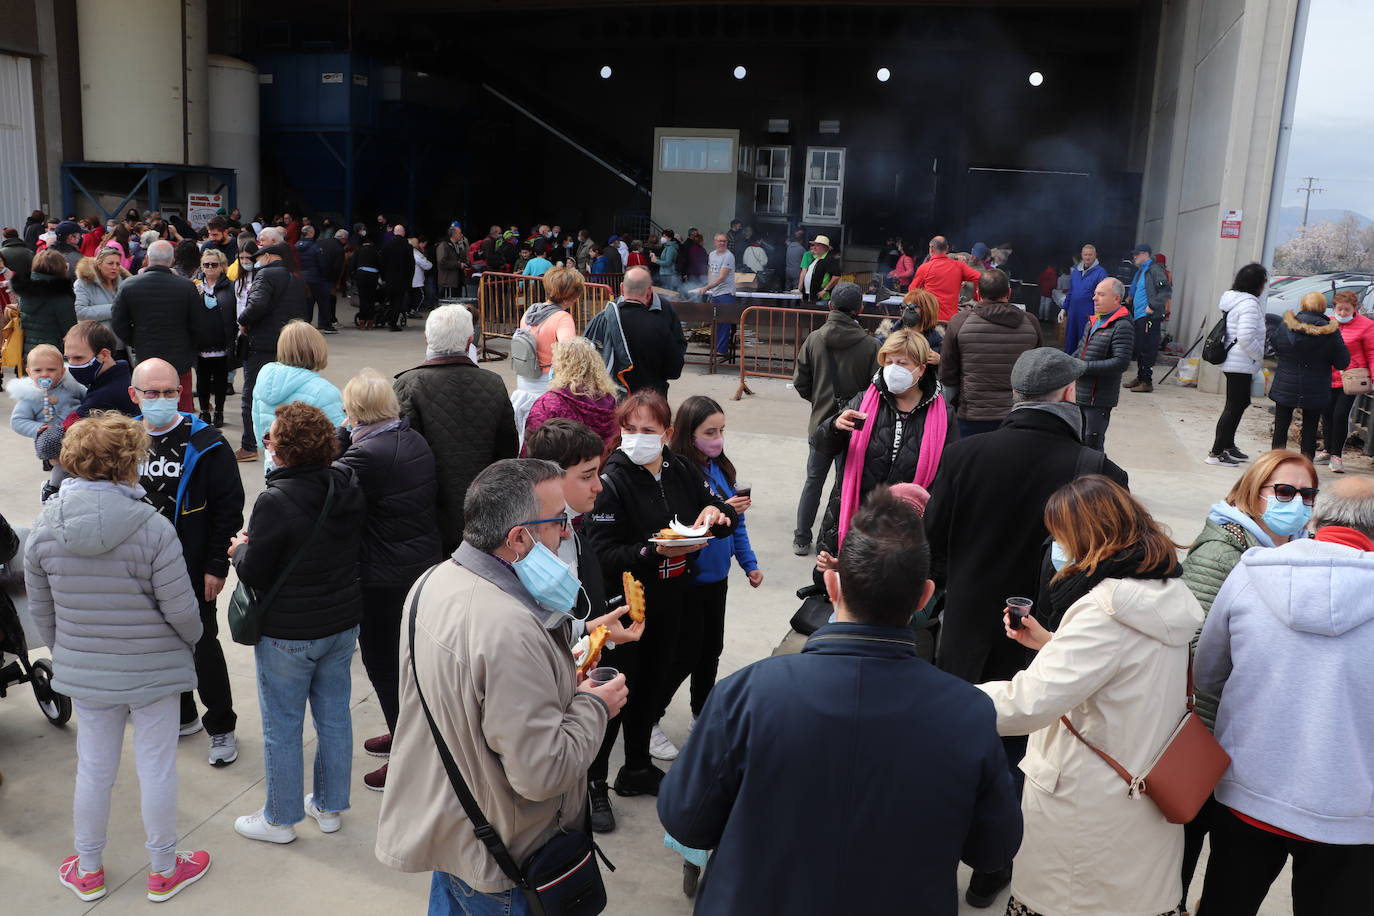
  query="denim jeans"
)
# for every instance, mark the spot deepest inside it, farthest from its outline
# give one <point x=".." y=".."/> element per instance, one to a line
<point x="290" y="672"/>
<point x="450" y="895"/>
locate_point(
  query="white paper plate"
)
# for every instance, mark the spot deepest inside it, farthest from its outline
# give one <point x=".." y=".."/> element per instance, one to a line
<point x="679" y="542"/>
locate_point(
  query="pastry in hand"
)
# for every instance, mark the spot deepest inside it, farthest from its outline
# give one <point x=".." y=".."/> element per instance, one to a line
<point x="634" y="596"/>
<point x="595" y="641"/>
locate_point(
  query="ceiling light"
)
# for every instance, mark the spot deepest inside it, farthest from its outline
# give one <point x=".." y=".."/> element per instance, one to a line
<point x="884" y="74"/>
<point x="740" y="73"/>
<point x="1037" y="78"/>
<point x="605" y="73"/>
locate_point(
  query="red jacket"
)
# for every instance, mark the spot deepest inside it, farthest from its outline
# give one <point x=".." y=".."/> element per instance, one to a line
<point x="1358" y="334"/>
<point x="943" y="275"/>
<point x="90" y="241"/>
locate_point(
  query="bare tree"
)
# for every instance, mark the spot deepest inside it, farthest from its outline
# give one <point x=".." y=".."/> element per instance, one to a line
<point x="1324" y="247"/>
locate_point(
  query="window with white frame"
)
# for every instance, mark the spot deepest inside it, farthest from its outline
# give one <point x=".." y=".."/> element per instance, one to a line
<point x="772" y="169"/>
<point x="824" y="184"/>
<point x="697" y="154"/>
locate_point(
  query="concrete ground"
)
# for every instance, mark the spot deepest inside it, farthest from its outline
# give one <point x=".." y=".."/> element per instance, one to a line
<point x="1161" y="439"/>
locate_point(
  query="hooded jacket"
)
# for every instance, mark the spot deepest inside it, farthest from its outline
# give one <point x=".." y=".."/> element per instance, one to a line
<point x="1118" y="668"/>
<point x="155" y="314"/>
<point x="881" y="466"/>
<point x="47" y="308"/>
<point x="835" y="363"/>
<point x="395" y="468"/>
<point x="94" y="301"/>
<point x="109" y="593"/>
<point x="713" y="562"/>
<point x="597" y="414"/>
<point x="275" y="297"/>
<point x="1358" y="334"/>
<point x="1287" y="647"/>
<point x="278" y="384"/>
<point x="1244" y="332"/>
<point x="981" y="345"/>
<point x="465" y="415"/>
<point x="1107" y="347"/>
<point x="18" y="256"/>
<point x="1309" y="346"/>
<point x="27" y="416"/>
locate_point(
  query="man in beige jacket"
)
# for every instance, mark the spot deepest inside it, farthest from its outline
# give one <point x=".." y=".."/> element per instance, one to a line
<point x="493" y="653"/>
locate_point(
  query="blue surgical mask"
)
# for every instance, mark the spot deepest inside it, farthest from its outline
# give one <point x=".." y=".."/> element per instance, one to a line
<point x="548" y="579"/>
<point x="1286" y="518"/>
<point x="85" y="373"/>
<point x="159" y="412"/>
<point x="1058" y="558"/>
<point x="1344" y="318"/>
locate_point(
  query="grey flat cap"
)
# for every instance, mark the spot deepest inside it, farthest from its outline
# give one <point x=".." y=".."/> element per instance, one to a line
<point x="1043" y="370"/>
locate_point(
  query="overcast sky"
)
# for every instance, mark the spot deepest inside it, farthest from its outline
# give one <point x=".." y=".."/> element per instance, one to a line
<point x="1333" y="124"/>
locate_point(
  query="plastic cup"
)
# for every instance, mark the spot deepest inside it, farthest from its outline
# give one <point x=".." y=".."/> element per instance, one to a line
<point x="743" y="489"/>
<point x="1020" y="608"/>
<point x="604" y="675"/>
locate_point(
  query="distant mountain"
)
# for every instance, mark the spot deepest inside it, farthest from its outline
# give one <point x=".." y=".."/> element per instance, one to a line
<point x="1290" y="220"/>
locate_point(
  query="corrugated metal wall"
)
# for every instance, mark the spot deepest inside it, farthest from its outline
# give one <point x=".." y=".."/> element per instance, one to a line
<point x="18" y="142"/>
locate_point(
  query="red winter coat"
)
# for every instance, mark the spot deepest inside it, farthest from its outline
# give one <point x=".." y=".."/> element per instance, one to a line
<point x="943" y="275"/>
<point x="1358" y="334"/>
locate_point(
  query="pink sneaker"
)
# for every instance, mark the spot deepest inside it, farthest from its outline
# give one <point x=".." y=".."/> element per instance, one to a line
<point x="85" y="887"/>
<point x="190" y="868"/>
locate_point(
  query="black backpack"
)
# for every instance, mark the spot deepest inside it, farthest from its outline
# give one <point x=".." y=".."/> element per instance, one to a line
<point x="1215" y="347"/>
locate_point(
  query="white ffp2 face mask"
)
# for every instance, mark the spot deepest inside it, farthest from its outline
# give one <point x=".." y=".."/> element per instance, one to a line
<point x="642" y="448"/>
<point x="899" y="379"/>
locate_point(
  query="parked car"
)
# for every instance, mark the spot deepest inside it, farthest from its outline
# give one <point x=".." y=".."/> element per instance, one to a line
<point x="1285" y="296"/>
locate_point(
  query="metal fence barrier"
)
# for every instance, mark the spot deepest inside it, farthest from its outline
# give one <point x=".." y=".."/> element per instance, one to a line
<point x="770" y="339"/>
<point x="503" y="298"/>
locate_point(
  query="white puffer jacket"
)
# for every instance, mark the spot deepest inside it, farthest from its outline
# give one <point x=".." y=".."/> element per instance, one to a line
<point x="109" y="592"/>
<point x="1244" y="327"/>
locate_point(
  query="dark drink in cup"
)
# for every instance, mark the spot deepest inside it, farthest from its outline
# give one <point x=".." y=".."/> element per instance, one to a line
<point x="1019" y="609"/>
<point x="743" y="489"/>
<point x="602" y="675"/>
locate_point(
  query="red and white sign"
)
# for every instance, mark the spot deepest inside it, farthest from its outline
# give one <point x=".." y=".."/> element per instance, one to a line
<point x="201" y="208"/>
<point x="1230" y="224"/>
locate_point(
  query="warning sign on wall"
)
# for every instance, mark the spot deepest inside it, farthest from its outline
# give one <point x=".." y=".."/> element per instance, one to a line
<point x="1230" y="224"/>
<point x="201" y="208"/>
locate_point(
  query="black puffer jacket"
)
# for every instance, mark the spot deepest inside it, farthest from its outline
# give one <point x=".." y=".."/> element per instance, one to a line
<point x="981" y="345"/>
<point x="880" y="466"/>
<point x="1107" y="351"/>
<point x="632" y="507"/>
<point x="322" y="596"/>
<point x="395" y="468"/>
<point x="276" y="296"/>
<point x="1308" y="345"/>
<point x="155" y="314"/>
<point x="464" y="413"/>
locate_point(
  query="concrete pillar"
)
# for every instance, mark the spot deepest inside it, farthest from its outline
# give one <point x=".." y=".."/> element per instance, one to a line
<point x="233" y="94"/>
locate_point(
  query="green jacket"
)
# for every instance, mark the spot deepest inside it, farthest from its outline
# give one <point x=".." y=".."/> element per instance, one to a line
<point x="1210" y="560"/>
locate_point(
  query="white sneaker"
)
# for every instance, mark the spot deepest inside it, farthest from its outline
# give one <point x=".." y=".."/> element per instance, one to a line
<point x="255" y="826"/>
<point x="224" y="749"/>
<point x="1337" y="464"/>
<point x="328" y="820"/>
<point x="660" y="746"/>
<point x="190" y="728"/>
<point x="1223" y="459"/>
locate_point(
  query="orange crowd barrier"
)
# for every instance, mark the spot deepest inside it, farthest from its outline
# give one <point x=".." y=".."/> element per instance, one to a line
<point x="503" y="298"/>
<point x="770" y="339"/>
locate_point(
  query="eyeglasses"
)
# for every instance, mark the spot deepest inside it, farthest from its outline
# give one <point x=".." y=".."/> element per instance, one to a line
<point x="1286" y="491"/>
<point x="562" y="520"/>
<point x="155" y="393"/>
<point x="208" y="264"/>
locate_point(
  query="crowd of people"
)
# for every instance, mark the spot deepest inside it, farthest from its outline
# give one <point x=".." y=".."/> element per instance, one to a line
<point x="532" y="576"/>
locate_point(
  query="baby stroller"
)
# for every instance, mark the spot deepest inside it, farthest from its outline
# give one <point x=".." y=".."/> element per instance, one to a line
<point x="15" y="667"/>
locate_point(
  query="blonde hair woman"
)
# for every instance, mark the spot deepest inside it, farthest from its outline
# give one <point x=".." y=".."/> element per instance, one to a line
<point x="1309" y="346"/>
<point x="216" y="331"/>
<point x="295" y="377"/>
<point x="894" y="432"/>
<point x="395" y="468"/>
<point x="550" y="322"/>
<point x="97" y="282"/>
<point x="579" y="389"/>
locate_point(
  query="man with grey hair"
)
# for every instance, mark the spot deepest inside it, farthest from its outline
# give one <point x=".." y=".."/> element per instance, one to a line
<point x="1106" y="347"/>
<point x="639" y="336"/>
<point x="1078" y="304"/>
<point x="155" y="315"/>
<point x="462" y="410"/>
<point x="276" y="296"/>
<point x="271" y="235"/>
<point x="1287" y="646"/>
<point x="490" y="646"/>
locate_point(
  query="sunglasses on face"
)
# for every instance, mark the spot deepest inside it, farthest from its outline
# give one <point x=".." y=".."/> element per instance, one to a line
<point x="208" y="264"/>
<point x="1285" y="493"/>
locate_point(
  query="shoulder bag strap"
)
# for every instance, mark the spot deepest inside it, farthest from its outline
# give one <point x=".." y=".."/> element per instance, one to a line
<point x="480" y="825"/>
<point x="296" y="557"/>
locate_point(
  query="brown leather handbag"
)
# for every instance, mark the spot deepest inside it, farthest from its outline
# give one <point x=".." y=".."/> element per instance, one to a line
<point x="1183" y="775"/>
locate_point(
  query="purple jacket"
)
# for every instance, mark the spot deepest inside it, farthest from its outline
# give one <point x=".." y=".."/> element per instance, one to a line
<point x="597" y="414"/>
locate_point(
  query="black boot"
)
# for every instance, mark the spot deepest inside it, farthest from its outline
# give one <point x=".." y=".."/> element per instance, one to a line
<point x="603" y="818"/>
<point x="217" y="421"/>
<point x="691" y="874"/>
<point x="644" y="781"/>
<point x="984" y="887"/>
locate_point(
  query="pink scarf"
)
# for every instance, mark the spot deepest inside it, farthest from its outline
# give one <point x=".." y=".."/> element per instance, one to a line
<point x="932" y="444"/>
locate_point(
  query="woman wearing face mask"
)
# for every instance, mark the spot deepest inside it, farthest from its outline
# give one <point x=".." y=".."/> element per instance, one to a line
<point x="311" y="512"/>
<point x="216" y="330"/>
<point x="1269" y="505"/>
<point x="1358" y="333"/>
<point x="1309" y="346"/>
<point x="892" y="433"/>
<point x="646" y="486"/>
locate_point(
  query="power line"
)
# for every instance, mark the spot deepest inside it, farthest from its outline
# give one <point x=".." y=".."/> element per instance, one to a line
<point x="1307" y="203"/>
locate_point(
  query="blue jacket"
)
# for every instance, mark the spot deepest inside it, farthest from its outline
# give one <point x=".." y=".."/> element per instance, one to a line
<point x="713" y="562"/>
<point x="278" y="383"/>
<point x="899" y="764"/>
<point x="309" y="253"/>
<point x="1078" y="304"/>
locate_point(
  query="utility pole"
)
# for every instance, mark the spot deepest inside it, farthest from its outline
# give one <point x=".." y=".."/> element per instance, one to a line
<point x="1307" y="204"/>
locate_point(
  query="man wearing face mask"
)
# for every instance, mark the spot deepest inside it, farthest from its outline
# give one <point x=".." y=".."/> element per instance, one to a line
<point x="987" y="531"/>
<point x="89" y="348"/>
<point x="191" y="478"/>
<point x="492" y="652"/>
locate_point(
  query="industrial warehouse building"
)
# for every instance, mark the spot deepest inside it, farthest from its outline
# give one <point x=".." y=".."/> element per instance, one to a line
<point x="1043" y="124"/>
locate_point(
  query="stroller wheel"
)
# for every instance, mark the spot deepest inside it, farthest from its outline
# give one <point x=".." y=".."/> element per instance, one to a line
<point x="56" y="707"/>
